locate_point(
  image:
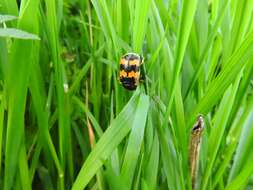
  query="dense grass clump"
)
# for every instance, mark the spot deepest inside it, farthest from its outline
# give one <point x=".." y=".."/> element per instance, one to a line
<point x="67" y="123"/>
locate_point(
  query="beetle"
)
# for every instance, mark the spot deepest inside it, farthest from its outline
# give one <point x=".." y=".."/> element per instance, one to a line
<point x="129" y="73"/>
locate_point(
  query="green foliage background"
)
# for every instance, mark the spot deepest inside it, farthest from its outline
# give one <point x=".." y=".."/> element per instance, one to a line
<point x="67" y="123"/>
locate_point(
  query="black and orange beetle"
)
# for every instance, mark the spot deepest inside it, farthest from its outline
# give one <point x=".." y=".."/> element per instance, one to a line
<point x="130" y="70"/>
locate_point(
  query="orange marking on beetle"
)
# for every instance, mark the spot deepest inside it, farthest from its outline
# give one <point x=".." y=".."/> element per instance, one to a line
<point x="134" y="74"/>
<point x="123" y="61"/>
<point x="131" y="74"/>
<point x="122" y="73"/>
<point x="134" y="62"/>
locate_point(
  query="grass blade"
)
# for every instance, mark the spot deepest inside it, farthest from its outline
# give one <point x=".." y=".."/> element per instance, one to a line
<point x="16" y="33"/>
<point x="186" y="20"/>
<point x="226" y="77"/>
<point x="151" y="168"/>
<point x="134" y="142"/>
<point x="5" y="18"/>
<point x="139" y="23"/>
<point x="17" y="82"/>
<point x="108" y="142"/>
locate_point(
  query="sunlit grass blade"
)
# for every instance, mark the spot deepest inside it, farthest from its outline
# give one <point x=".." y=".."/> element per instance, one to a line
<point x="185" y="24"/>
<point x="93" y="120"/>
<point x="181" y="131"/>
<point x="16" y="33"/>
<point x="152" y="165"/>
<point x="139" y="23"/>
<point x="23" y="169"/>
<point x="38" y="97"/>
<point x="3" y="58"/>
<point x="2" y="124"/>
<point x="240" y="24"/>
<point x="62" y="94"/>
<point x="5" y="18"/>
<point x="205" y="51"/>
<point x="105" y="19"/>
<point x="109" y="141"/>
<point x="169" y="156"/>
<point x="233" y="138"/>
<point x="226" y="77"/>
<point x="220" y="123"/>
<point x="243" y="154"/>
<point x="9" y="7"/>
<point x="17" y="82"/>
<point x="134" y="142"/>
<point x="66" y="121"/>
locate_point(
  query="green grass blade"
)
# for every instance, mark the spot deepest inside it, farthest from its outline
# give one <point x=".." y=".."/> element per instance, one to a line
<point x="108" y="142"/>
<point x="5" y="18"/>
<point x="186" y="20"/>
<point x="3" y="58"/>
<point x="2" y="124"/>
<point x="105" y="19"/>
<point x="16" y="33"/>
<point x="243" y="154"/>
<point x="208" y="44"/>
<point x="134" y="142"/>
<point x="90" y="116"/>
<point x="226" y="77"/>
<point x="17" y="82"/>
<point x="220" y="122"/>
<point x="139" y="23"/>
<point x="233" y="138"/>
<point x="39" y="100"/>
<point x="10" y="7"/>
<point x="61" y="93"/>
<point x="23" y="169"/>
<point x="198" y="60"/>
<point x="152" y="166"/>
